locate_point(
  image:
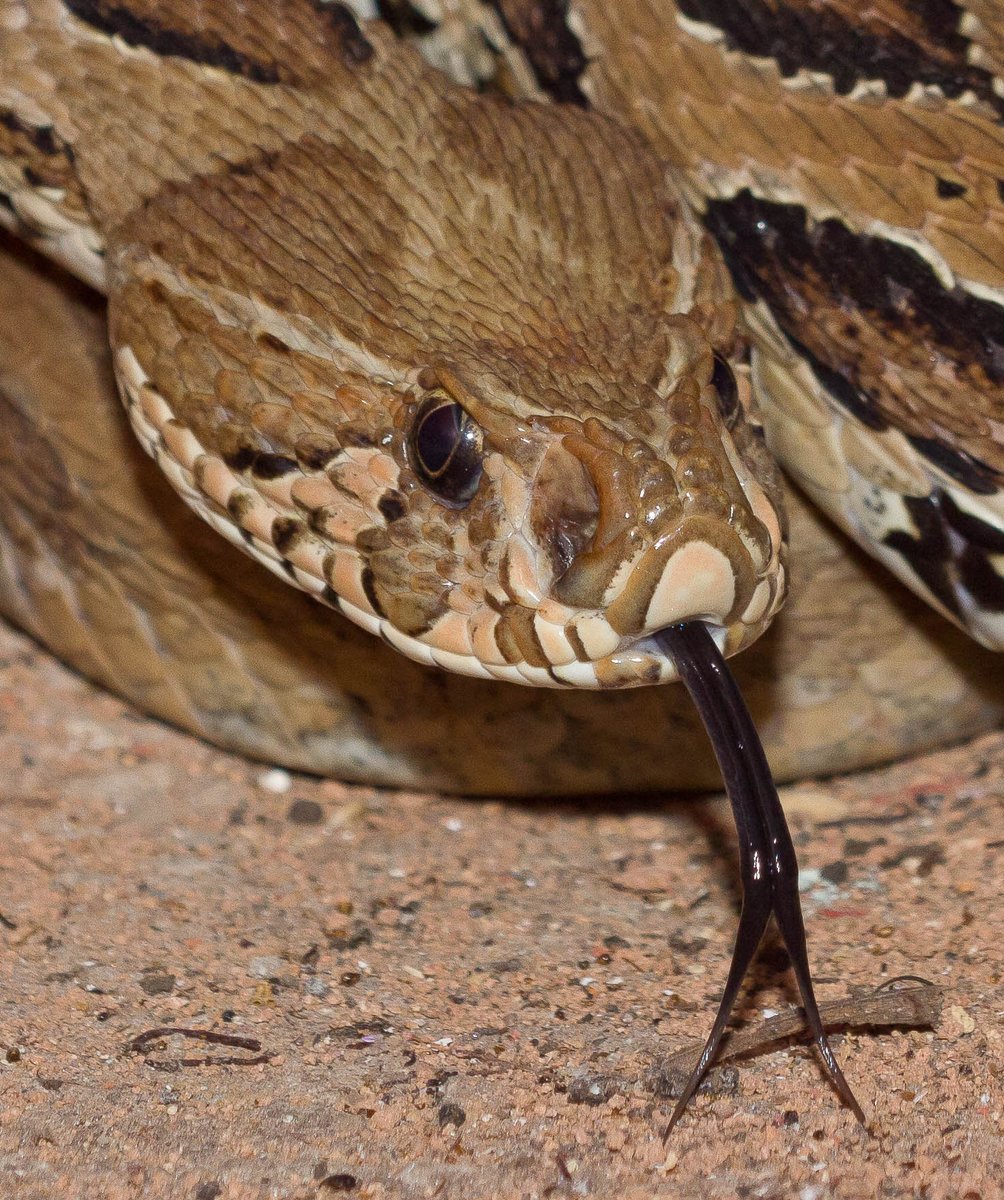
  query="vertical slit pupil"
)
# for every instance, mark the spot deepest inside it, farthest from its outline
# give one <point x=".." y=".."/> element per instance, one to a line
<point x="445" y="449"/>
<point x="438" y="437"/>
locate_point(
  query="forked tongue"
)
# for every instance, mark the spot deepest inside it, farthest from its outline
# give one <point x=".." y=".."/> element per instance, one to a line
<point x="767" y="860"/>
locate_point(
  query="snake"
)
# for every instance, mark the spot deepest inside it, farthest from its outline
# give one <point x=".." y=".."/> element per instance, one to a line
<point x="488" y="325"/>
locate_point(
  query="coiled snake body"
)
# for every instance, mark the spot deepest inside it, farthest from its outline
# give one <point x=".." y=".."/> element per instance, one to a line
<point x="472" y="371"/>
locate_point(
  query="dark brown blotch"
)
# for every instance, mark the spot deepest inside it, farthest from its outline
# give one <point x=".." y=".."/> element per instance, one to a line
<point x="142" y="29"/>
<point x="43" y="137"/>
<point x="273" y="466"/>
<point x="45" y="159"/>
<point x="239" y="505"/>
<point x="354" y="46"/>
<point x="724" y="382"/>
<point x="889" y="292"/>
<point x="540" y="29"/>
<point x="241" y="458"/>
<point x="268" y="341"/>
<point x="391" y="505"/>
<point x="331" y="597"/>
<point x="404" y="18"/>
<point x="286" y="532"/>
<point x="368" y="582"/>
<point x="923" y="46"/>
<point x="315" y="456"/>
<point x="949" y="189"/>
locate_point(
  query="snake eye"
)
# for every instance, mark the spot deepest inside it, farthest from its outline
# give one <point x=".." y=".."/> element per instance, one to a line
<point x="445" y="450"/>
<point x="724" y="383"/>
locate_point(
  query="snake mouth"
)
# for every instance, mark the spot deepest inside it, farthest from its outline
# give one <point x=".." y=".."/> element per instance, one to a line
<point x="643" y="660"/>
<point x="658" y="642"/>
<point x="768" y="865"/>
<point x="606" y="661"/>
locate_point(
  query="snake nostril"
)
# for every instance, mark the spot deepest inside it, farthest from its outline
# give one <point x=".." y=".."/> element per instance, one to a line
<point x="566" y="509"/>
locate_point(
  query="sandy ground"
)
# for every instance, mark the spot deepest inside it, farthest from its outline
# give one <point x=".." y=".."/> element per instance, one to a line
<point x="465" y="999"/>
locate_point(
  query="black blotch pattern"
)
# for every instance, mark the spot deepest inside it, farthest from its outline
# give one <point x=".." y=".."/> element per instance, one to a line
<point x="763" y="241"/>
<point x="958" y="465"/>
<point x="948" y="189"/>
<point x="404" y="18"/>
<point x="369" y="589"/>
<point x="724" y="383"/>
<point x="540" y="28"/>
<point x="241" y="458"/>
<point x="43" y="137"/>
<point x="272" y="466"/>
<point x="330" y="597"/>
<point x="117" y="20"/>
<point x="797" y="36"/>
<point x="981" y="580"/>
<point x="391" y="506"/>
<point x="937" y="558"/>
<point x="285" y="532"/>
<point x="972" y="528"/>
<point x="928" y="554"/>
<point x="355" y="48"/>
<point x="774" y="252"/>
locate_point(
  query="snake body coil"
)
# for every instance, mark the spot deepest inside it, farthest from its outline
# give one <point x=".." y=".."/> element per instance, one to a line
<point x="470" y="370"/>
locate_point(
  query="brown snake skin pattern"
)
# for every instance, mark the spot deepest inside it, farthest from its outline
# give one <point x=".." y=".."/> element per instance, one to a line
<point x="322" y="259"/>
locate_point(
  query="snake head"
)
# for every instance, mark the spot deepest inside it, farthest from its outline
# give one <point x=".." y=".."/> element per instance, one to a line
<point x="563" y="544"/>
<point x="484" y="407"/>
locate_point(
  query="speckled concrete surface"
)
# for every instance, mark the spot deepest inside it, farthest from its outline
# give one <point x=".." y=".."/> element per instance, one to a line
<point x="464" y="999"/>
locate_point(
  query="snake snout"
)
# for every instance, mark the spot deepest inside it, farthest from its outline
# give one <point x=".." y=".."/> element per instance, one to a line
<point x="622" y="543"/>
<point x="634" y="537"/>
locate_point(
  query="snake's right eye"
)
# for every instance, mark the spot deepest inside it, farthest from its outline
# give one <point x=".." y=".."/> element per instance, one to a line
<point x="445" y="450"/>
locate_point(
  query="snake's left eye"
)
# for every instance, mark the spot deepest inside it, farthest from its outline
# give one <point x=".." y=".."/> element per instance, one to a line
<point x="445" y="449"/>
<point x="724" y="383"/>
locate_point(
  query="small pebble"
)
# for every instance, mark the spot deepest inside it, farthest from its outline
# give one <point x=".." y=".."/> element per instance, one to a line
<point x="158" y="983"/>
<point x="265" y="966"/>
<point x="808" y="877"/>
<point x="305" y="812"/>
<point x="964" y="1021"/>
<point x="275" y="780"/>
